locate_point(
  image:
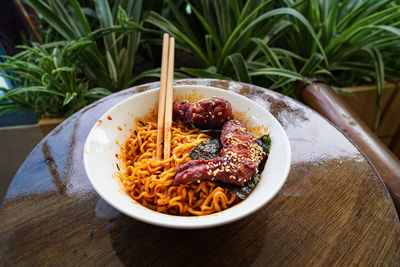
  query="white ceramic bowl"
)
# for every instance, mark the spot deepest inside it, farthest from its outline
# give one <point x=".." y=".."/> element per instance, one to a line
<point x="101" y="147"/>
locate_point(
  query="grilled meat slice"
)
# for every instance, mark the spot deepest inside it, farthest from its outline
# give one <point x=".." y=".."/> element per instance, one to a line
<point x="239" y="158"/>
<point x="209" y="113"/>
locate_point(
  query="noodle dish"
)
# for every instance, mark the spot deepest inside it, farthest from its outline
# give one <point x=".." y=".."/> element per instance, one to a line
<point x="228" y="158"/>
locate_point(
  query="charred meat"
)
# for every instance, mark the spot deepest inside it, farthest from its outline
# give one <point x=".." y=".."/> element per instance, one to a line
<point x="238" y="162"/>
<point x="210" y="113"/>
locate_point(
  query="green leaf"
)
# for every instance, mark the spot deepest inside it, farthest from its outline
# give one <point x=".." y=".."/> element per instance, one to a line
<point x="388" y="28"/>
<point x="112" y="70"/>
<point x="223" y="16"/>
<point x="10" y="77"/>
<point x="281" y="83"/>
<point x="311" y="64"/>
<point x="208" y="41"/>
<point x="279" y="72"/>
<point x="131" y="26"/>
<point x="149" y="73"/>
<point x="379" y="17"/>
<point x="353" y="14"/>
<point x="106" y="21"/>
<point x="52" y="17"/>
<point x="122" y="16"/>
<point x="61" y="69"/>
<point x="98" y="92"/>
<point x="66" y="18"/>
<point x="136" y="11"/>
<point x="69" y="97"/>
<point x="204" y="73"/>
<point x="330" y="24"/>
<point x="240" y="67"/>
<point x="248" y="10"/>
<point x="340" y="91"/>
<point x="285" y="52"/>
<point x="269" y="54"/>
<point x="186" y="27"/>
<point x="83" y="22"/>
<point x="352" y="66"/>
<point x="35" y="89"/>
<point x="5" y="109"/>
<point x="239" y="30"/>
<point x="165" y="25"/>
<point x="257" y="50"/>
<point x="295" y="14"/>
<point x="208" y="28"/>
<point x="380" y="78"/>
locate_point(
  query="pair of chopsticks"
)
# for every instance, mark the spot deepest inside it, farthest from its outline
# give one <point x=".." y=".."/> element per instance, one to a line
<point x="164" y="122"/>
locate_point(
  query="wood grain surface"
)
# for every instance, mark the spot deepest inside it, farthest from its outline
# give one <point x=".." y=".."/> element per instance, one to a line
<point x="332" y="210"/>
<point x="323" y="99"/>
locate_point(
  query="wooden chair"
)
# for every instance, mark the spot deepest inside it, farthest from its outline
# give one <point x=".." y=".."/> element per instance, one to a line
<point x="321" y="97"/>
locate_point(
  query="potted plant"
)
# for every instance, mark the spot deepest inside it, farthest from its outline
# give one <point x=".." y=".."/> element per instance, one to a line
<point x="90" y="55"/>
<point x="109" y="60"/>
<point x="274" y="43"/>
<point x="50" y="81"/>
<point x="232" y="40"/>
<point x="267" y="43"/>
<point x="360" y="40"/>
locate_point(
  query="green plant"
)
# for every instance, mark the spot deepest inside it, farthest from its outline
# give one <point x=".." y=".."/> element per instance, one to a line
<point x="359" y="39"/>
<point x="50" y="80"/>
<point x="231" y="39"/>
<point x="275" y="43"/>
<point x="109" y="60"/>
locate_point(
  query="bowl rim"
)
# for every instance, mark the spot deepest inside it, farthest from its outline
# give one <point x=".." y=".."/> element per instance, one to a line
<point x="187" y="222"/>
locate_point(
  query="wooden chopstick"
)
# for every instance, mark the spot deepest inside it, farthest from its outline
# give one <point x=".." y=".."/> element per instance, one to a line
<point x="165" y="99"/>
<point x="161" y="97"/>
<point x="168" y="100"/>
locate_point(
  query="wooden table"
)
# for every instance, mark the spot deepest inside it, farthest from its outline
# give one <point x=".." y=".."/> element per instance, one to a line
<point x="333" y="208"/>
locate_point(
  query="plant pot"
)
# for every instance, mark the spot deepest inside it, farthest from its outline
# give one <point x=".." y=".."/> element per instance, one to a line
<point x="364" y="104"/>
<point x="48" y="124"/>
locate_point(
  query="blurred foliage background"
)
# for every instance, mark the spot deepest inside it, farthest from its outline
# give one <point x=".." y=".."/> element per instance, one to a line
<point x="93" y="48"/>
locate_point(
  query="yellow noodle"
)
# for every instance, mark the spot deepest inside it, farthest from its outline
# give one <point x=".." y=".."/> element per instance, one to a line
<point x="147" y="182"/>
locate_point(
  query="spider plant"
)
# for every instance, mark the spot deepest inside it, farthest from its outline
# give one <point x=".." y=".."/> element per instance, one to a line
<point x="359" y="39"/>
<point x="109" y="60"/>
<point x="232" y="39"/>
<point x="273" y="43"/>
<point x="50" y="80"/>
